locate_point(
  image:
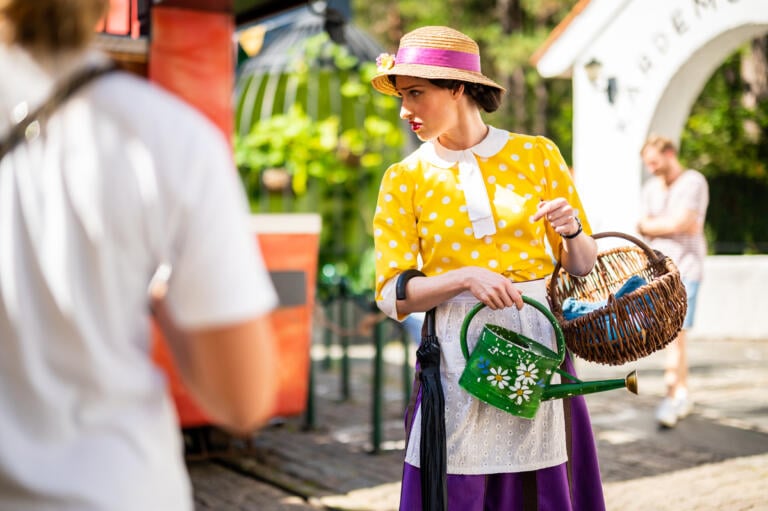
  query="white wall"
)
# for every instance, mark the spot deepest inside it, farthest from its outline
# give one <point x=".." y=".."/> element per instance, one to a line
<point x="733" y="299"/>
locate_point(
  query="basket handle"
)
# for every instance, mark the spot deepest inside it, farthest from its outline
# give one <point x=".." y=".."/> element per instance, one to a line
<point x="653" y="257"/>
<point x="560" y="338"/>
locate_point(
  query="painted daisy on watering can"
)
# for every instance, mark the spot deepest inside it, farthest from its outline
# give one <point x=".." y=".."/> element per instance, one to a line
<point x="520" y="393"/>
<point x="499" y="377"/>
<point x="527" y="372"/>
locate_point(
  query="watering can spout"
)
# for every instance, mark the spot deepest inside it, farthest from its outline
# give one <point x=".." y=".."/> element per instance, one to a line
<point x="564" y="390"/>
<point x="632" y="382"/>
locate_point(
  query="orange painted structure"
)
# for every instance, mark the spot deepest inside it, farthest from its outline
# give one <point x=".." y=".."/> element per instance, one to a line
<point x="191" y="53"/>
<point x="123" y="18"/>
<point x="289" y="244"/>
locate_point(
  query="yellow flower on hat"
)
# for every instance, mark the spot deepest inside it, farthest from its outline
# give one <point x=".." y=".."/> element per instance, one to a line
<point x="385" y="62"/>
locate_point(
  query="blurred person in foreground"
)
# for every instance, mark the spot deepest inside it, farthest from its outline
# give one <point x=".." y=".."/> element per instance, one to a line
<point x="475" y="204"/>
<point x="674" y="205"/>
<point x="122" y="179"/>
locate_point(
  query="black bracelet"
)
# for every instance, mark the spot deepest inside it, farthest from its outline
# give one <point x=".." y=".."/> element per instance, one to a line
<point x="578" y="231"/>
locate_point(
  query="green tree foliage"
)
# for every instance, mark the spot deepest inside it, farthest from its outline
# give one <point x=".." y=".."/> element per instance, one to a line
<point x="726" y="140"/>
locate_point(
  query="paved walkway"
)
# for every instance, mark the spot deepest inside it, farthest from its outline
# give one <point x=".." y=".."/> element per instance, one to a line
<point x="715" y="459"/>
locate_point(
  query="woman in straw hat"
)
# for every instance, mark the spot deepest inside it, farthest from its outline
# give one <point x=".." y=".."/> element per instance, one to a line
<point x="476" y="205"/>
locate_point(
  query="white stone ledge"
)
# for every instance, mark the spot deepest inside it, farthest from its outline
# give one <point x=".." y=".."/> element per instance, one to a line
<point x="733" y="298"/>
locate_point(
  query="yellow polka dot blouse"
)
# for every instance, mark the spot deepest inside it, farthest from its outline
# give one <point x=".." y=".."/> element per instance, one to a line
<point x="422" y="211"/>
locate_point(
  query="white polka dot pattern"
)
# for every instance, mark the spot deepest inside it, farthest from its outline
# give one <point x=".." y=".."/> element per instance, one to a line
<point x="527" y="170"/>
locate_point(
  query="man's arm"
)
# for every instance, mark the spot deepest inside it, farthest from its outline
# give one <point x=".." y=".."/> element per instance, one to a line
<point x="684" y="221"/>
<point x="229" y="370"/>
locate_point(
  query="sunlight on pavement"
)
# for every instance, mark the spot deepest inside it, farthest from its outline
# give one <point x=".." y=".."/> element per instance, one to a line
<point x="738" y="483"/>
<point x="385" y="497"/>
<point x="616" y="437"/>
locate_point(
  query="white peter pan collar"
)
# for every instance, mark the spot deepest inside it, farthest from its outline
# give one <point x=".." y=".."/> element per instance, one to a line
<point x="470" y="177"/>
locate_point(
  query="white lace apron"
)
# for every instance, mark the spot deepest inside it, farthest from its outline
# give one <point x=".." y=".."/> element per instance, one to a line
<point x="482" y="439"/>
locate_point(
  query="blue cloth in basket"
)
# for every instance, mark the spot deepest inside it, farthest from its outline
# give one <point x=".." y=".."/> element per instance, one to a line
<point x="572" y="308"/>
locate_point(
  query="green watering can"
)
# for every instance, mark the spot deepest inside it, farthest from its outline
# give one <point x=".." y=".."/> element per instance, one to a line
<point x="512" y="372"/>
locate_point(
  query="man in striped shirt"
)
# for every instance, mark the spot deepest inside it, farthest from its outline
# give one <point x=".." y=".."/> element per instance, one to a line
<point x="673" y="208"/>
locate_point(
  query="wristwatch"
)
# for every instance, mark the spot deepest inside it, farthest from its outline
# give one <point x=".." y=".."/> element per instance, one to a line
<point x="578" y="230"/>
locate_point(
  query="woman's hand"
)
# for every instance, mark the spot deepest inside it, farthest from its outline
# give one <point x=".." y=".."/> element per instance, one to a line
<point x="560" y="214"/>
<point x="579" y="251"/>
<point x="491" y="288"/>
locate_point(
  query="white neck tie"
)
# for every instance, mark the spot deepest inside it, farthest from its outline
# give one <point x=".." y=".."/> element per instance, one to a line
<point x="475" y="195"/>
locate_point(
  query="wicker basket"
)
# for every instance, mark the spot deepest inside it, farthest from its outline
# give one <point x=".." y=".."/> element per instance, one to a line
<point x="631" y="326"/>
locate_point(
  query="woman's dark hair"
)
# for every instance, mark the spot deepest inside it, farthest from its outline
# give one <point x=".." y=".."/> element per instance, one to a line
<point x="486" y="97"/>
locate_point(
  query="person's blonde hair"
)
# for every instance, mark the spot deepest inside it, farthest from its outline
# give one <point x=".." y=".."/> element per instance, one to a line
<point x="659" y="143"/>
<point x="50" y="25"/>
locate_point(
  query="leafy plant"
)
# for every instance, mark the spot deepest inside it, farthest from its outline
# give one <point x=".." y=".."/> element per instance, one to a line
<point x="330" y="162"/>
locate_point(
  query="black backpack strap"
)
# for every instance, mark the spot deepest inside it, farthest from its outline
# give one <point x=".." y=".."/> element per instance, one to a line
<point x="35" y="120"/>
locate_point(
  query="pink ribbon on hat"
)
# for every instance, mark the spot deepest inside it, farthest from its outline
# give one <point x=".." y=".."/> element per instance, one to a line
<point x="438" y="57"/>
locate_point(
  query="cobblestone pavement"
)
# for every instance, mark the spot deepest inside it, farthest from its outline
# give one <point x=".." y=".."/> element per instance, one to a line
<point x="715" y="459"/>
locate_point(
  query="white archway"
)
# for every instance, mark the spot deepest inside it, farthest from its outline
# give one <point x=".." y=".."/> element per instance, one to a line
<point x="655" y="56"/>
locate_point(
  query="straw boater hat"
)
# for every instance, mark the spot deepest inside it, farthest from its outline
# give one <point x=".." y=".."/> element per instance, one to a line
<point x="432" y="52"/>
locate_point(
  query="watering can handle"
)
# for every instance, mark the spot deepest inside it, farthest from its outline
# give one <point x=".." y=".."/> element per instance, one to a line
<point x="530" y="301"/>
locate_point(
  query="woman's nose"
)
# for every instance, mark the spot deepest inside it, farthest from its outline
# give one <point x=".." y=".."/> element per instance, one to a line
<point x="404" y="112"/>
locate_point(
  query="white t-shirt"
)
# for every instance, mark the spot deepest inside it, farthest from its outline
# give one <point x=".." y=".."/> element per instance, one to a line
<point x="124" y="177"/>
<point x="688" y="192"/>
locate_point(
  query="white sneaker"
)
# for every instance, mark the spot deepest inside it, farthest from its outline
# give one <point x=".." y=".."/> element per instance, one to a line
<point x="671" y="410"/>
<point x="683" y="407"/>
<point x="666" y="413"/>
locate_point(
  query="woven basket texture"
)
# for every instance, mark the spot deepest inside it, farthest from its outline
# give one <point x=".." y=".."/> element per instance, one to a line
<point x="632" y="326"/>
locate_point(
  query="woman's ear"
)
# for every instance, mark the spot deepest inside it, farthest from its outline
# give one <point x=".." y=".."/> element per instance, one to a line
<point x="458" y="90"/>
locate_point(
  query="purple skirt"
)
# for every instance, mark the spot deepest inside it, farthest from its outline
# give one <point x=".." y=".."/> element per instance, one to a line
<point x="572" y="486"/>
